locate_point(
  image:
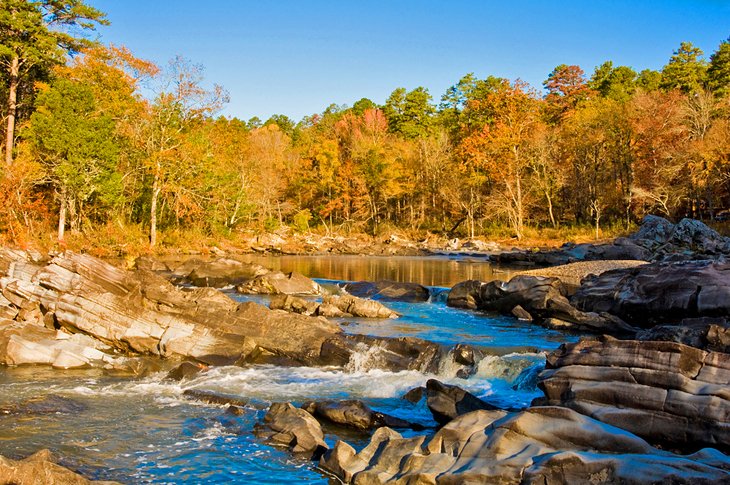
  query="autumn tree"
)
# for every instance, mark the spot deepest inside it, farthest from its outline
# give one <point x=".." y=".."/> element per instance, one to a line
<point x="566" y="87"/>
<point x="38" y="34"/>
<point x="181" y="102"/>
<point x="502" y="148"/>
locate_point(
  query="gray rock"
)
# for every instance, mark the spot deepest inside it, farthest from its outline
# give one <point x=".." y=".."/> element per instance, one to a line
<point x="659" y="292"/>
<point x="667" y="393"/>
<point x="543" y="299"/>
<point x="447" y="402"/>
<point x="537" y="446"/>
<point x="354" y="414"/>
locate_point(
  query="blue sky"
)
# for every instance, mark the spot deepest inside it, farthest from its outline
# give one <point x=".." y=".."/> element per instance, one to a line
<point x="297" y="57"/>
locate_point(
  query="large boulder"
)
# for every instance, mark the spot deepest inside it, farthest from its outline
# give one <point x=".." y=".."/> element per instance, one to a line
<point x="537" y="446"/>
<point x="659" y="292"/>
<point x="667" y="393"/>
<point x="354" y="414"/>
<point x="448" y="402"/>
<point x="41" y="468"/>
<point x="543" y="298"/>
<point x="276" y="283"/>
<point x="385" y="290"/>
<point x="295" y="428"/>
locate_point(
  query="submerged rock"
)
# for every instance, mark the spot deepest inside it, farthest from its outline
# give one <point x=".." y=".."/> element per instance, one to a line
<point x="447" y="402"/>
<point x="385" y="290"/>
<point x="41" y="468"/>
<point x="213" y="397"/>
<point x="537" y="446"/>
<point x="276" y="283"/>
<point x="667" y="393"/>
<point x="48" y="404"/>
<point x="354" y="414"/>
<point x="294" y="428"/>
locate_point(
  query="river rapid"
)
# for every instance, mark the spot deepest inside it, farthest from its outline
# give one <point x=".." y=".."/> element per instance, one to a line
<point x="145" y="431"/>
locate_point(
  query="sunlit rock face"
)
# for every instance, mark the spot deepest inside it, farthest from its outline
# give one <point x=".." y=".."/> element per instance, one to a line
<point x="668" y="393"/>
<point x="536" y="446"/>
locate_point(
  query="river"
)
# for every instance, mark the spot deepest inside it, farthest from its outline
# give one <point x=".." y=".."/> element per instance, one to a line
<point x="145" y="431"/>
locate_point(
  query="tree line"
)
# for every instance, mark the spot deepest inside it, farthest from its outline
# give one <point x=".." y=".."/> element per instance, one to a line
<point x="95" y="137"/>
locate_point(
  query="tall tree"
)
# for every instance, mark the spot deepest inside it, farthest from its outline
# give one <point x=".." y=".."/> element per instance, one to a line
<point x="686" y="69"/>
<point x="39" y="33"/>
<point x="75" y="144"/>
<point x="718" y="73"/>
<point x="410" y="113"/>
<point x="181" y="102"/>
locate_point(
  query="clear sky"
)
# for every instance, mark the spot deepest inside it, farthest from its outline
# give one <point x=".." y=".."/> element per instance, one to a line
<point x="295" y="57"/>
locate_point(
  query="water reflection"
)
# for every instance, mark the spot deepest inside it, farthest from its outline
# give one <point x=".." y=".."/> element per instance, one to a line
<point x="429" y="271"/>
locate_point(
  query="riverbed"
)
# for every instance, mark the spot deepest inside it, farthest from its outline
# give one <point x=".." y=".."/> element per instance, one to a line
<point x="145" y="431"/>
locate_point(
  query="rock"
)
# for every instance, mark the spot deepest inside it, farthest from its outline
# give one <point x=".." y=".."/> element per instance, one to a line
<point x="48" y="404"/>
<point x="447" y="402"/>
<point x="414" y="395"/>
<point x="294" y="304"/>
<point x="213" y="397"/>
<point x="333" y="306"/>
<point x="537" y="446"/>
<point x="33" y="343"/>
<point x="294" y="428"/>
<point x="668" y="393"/>
<point x="40" y="468"/>
<point x="544" y="299"/>
<point x="704" y="333"/>
<point x="659" y="292"/>
<point x="354" y="414"/>
<point x="275" y="283"/>
<point x="186" y="370"/>
<point x="139" y="312"/>
<point x="221" y="272"/>
<point x="385" y="290"/>
<point x="521" y="314"/>
<point x="363" y="353"/>
<point x="359" y="307"/>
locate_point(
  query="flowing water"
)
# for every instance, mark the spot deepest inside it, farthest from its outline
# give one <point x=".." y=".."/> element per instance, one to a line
<point x="145" y="430"/>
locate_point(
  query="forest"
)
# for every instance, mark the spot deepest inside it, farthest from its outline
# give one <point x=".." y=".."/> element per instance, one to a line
<point x="102" y="145"/>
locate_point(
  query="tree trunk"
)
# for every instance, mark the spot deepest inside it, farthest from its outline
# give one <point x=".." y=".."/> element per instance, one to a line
<point x="62" y="217"/>
<point x="12" y="109"/>
<point x="153" y="211"/>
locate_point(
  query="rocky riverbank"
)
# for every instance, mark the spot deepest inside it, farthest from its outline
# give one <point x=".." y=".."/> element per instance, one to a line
<point x="644" y="400"/>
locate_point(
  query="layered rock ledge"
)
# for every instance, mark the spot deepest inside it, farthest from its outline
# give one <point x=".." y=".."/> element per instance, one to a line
<point x="668" y="393"/>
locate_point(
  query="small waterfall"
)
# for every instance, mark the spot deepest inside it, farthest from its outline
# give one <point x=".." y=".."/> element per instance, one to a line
<point x="365" y="358"/>
<point x="508" y="367"/>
